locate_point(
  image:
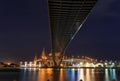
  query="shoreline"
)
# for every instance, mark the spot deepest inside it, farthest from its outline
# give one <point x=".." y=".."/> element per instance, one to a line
<point x="12" y="68"/>
<point x="78" y="67"/>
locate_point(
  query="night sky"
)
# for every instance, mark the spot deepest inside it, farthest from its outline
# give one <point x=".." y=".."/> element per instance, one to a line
<point x="24" y="31"/>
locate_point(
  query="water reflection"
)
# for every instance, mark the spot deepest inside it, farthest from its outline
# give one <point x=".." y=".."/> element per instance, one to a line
<point x="73" y="75"/>
<point x="82" y="74"/>
<point x="69" y="75"/>
<point x="78" y="74"/>
<point x="92" y="75"/>
<point x="113" y="74"/>
<point x="88" y="75"/>
<point x="107" y="75"/>
<point x="44" y="74"/>
<point x="61" y="75"/>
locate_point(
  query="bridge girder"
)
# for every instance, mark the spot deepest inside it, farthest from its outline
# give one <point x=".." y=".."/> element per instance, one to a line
<point x="66" y="18"/>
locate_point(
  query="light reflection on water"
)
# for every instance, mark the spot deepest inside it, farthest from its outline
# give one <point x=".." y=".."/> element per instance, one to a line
<point x="81" y="74"/>
<point x="107" y="78"/>
<point x="51" y="74"/>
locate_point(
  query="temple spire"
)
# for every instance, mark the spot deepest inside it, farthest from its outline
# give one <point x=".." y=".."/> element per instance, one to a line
<point x="35" y="58"/>
<point x="43" y="54"/>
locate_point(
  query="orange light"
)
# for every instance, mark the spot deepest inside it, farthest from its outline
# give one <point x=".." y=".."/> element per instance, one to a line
<point x="8" y="63"/>
<point x="61" y="64"/>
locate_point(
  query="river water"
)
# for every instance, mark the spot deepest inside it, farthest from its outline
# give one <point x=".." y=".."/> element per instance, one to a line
<point x="44" y="74"/>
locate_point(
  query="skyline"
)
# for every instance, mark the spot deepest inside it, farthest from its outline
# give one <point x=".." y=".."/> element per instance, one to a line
<point x="24" y="30"/>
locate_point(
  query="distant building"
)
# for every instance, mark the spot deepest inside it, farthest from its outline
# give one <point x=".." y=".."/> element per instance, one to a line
<point x="46" y="60"/>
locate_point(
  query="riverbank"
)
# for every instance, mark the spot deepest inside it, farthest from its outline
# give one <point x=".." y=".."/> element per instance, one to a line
<point x="77" y="67"/>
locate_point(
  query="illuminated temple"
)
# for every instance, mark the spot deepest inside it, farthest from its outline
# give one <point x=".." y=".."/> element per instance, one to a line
<point x="45" y="60"/>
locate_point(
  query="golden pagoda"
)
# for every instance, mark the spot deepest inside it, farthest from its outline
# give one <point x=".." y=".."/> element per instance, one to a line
<point x="43" y="54"/>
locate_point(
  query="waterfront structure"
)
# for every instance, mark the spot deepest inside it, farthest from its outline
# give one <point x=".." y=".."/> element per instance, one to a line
<point x="66" y="17"/>
<point x="45" y="60"/>
<point x="8" y="64"/>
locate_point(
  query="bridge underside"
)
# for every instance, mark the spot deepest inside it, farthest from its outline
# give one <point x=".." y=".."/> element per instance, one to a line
<point x="66" y="18"/>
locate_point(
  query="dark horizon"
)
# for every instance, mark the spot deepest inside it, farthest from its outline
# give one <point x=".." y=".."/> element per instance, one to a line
<point x="24" y="31"/>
